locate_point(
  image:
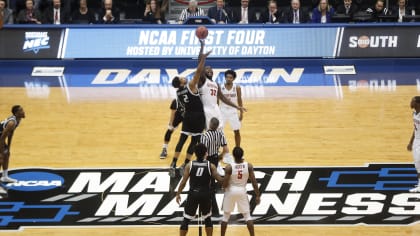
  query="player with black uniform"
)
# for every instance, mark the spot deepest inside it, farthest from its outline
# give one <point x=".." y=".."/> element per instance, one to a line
<point x="194" y="119"/>
<point x="7" y="129"/>
<point x="176" y="117"/>
<point x="199" y="173"/>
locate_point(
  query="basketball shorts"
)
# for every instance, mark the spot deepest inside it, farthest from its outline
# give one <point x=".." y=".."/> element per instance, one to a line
<point x="177" y="119"/>
<point x="416" y="154"/>
<point x="197" y="199"/>
<point x="194" y="123"/>
<point x="231" y="116"/>
<point x="211" y="112"/>
<point x="236" y="196"/>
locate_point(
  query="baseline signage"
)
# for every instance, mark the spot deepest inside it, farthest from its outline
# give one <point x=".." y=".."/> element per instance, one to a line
<point x="233" y="42"/>
<point x="31" y="43"/>
<point x="380" y="42"/>
<point x="181" y="42"/>
<point x="376" y="194"/>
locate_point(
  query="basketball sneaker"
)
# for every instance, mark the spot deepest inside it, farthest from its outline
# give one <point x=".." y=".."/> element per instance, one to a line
<point x="415" y="190"/>
<point x="164" y="153"/>
<point x="7" y="179"/>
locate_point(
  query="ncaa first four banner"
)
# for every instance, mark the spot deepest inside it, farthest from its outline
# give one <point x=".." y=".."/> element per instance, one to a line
<point x="239" y="42"/>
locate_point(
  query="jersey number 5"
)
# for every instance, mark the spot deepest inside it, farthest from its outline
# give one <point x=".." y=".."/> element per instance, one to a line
<point x="239" y="174"/>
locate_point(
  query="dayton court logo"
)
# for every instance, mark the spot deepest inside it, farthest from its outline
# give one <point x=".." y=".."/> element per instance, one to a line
<point x="376" y="194"/>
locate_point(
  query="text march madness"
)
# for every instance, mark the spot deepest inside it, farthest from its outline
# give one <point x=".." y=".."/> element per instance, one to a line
<point x="376" y="194"/>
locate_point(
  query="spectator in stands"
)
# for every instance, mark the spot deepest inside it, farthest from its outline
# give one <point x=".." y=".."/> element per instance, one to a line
<point x="401" y="10"/>
<point x="83" y="15"/>
<point x="55" y="14"/>
<point x="109" y="14"/>
<point x="322" y="13"/>
<point x="191" y="10"/>
<point x="220" y="14"/>
<point x="6" y="15"/>
<point x="245" y="14"/>
<point x="154" y="12"/>
<point x="272" y="15"/>
<point x="29" y="15"/>
<point x="347" y="8"/>
<point x="378" y="10"/>
<point x="295" y="14"/>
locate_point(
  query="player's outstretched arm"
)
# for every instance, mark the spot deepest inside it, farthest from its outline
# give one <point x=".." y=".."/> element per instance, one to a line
<point x="239" y="97"/>
<point x="200" y="68"/>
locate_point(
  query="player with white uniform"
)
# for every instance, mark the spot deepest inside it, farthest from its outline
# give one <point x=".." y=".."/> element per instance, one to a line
<point x="414" y="144"/>
<point x="234" y="183"/>
<point x="208" y="94"/>
<point x="232" y="92"/>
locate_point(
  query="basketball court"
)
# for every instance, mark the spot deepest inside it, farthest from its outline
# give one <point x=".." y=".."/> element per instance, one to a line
<point x="350" y="124"/>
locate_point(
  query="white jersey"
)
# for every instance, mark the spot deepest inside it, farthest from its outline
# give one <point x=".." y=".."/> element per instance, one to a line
<point x="208" y="94"/>
<point x="239" y="176"/>
<point x="236" y="191"/>
<point x="416" y="141"/>
<point x="231" y="95"/>
<point x="4" y="123"/>
<point x="416" y="120"/>
<point x="229" y="113"/>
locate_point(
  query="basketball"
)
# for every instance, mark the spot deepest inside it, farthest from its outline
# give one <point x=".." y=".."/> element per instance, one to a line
<point x="201" y="32"/>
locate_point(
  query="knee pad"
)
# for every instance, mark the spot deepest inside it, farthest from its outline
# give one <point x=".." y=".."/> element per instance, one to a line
<point x="208" y="223"/>
<point x="184" y="224"/>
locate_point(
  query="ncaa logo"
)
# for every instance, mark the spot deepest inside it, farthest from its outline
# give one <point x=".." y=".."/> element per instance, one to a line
<point x="35" y="181"/>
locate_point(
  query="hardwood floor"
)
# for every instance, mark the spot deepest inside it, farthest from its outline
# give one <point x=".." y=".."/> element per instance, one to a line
<point x="362" y="127"/>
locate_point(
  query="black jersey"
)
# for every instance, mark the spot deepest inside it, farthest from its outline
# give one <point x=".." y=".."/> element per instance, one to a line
<point x="191" y="101"/>
<point x="200" y="176"/>
<point x="178" y="106"/>
<point x="4" y="123"/>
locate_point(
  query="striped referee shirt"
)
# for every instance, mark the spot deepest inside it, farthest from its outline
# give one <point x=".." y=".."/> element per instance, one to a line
<point x="213" y="139"/>
<point x="185" y="14"/>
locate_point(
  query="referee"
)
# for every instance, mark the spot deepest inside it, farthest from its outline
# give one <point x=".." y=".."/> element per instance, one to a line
<point x="213" y="139"/>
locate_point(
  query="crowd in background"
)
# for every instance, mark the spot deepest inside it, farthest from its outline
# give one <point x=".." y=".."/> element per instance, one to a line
<point x="223" y="11"/>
